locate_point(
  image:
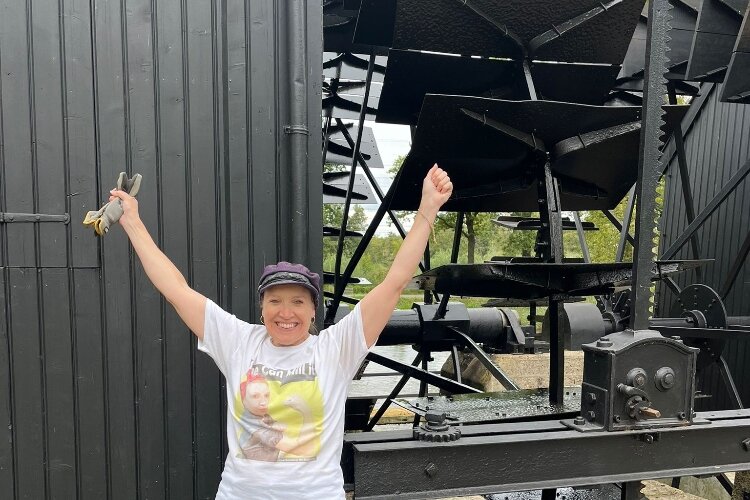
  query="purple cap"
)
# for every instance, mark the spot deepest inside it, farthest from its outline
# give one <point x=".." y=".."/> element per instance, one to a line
<point x="285" y="273"/>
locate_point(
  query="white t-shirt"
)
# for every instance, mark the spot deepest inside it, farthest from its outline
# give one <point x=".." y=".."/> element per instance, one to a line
<point x="285" y="406"/>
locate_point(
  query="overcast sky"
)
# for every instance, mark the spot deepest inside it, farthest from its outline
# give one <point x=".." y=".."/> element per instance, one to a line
<point x="393" y="141"/>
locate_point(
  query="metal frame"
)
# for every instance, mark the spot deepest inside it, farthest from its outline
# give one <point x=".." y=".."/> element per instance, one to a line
<point x="498" y="458"/>
<point x="405" y="462"/>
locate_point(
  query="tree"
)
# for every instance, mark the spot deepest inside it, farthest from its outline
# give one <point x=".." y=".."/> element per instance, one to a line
<point x="333" y="215"/>
<point x="476" y="226"/>
<point x="521" y="243"/>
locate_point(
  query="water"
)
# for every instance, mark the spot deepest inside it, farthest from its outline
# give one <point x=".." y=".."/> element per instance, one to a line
<point x="383" y="385"/>
<point x="601" y="492"/>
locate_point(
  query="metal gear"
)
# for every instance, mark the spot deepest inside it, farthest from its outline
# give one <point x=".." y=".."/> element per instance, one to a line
<point x="649" y="169"/>
<point x="704" y="304"/>
<point x="435" y="429"/>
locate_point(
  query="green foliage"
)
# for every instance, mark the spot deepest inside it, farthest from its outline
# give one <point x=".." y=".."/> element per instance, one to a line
<point x="489" y="240"/>
<point x="333" y="215"/>
<point x="476" y="230"/>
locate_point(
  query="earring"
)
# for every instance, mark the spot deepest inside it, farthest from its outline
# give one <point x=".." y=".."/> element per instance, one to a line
<point x="261" y="320"/>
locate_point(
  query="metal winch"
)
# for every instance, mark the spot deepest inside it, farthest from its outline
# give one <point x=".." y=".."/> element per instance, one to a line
<point x="636" y="379"/>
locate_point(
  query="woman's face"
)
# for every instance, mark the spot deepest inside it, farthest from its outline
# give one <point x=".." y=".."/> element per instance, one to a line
<point x="256" y="398"/>
<point x="288" y="311"/>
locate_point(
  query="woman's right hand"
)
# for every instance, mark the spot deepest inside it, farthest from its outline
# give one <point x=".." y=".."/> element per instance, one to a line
<point x="129" y="207"/>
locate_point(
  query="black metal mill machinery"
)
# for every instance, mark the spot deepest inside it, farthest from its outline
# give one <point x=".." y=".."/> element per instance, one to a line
<point x="537" y="106"/>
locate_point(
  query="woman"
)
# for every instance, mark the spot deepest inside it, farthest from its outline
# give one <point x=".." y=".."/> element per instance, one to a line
<point x="286" y="388"/>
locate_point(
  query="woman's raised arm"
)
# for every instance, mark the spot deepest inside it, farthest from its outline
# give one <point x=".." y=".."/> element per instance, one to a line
<point x="189" y="304"/>
<point x="377" y="306"/>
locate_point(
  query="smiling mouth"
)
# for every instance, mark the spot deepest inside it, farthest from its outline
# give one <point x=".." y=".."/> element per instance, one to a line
<point x="287" y="326"/>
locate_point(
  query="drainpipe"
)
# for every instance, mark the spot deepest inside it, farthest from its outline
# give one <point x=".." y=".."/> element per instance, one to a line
<point x="297" y="131"/>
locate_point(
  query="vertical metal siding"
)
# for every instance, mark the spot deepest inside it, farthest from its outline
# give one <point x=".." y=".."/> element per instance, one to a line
<point x="103" y="394"/>
<point x="717" y="146"/>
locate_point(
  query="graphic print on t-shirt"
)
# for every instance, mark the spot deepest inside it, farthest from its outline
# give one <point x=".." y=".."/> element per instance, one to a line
<point x="280" y="414"/>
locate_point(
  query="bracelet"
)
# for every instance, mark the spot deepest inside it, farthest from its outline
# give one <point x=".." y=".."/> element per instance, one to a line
<point x="432" y="226"/>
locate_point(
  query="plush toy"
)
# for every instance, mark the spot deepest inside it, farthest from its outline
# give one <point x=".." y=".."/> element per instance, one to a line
<point x="111" y="212"/>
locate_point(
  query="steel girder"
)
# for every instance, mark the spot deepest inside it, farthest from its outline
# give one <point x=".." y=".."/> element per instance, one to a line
<point x="539" y="455"/>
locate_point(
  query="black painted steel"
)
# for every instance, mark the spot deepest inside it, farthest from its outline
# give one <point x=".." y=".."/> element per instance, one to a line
<point x="726" y="376"/>
<point x="610" y="216"/>
<point x="580" y="323"/>
<point x="395" y="392"/>
<point x="520" y="223"/>
<point x="503" y="29"/>
<point x="714" y="38"/>
<point x="550" y="211"/>
<point x="411" y="75"/>
<point x="581" y="237"/>
<point x="422" y="374"/>
<point x="334" y="231"/>
<point x="684" y="17"/>
<point x="536" y="280"/>
<point x="495" y="407"/>
<point x="484" y="145"/>
<point x="336" y="185"/>
<point x="337" y="296"/>
<point x="497" y="372"/>
<point x="348" y="66"/>
<point x="339" y="23"/>
<point x="737" y="80"/>
<point x="524" y="451"/>
<point x="486" y="326"/>
<point x="654" y="90"/>
<point x="340" y="153"/>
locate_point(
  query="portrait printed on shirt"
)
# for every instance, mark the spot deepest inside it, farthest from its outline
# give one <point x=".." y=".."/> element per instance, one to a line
<point x="280" y="414"/>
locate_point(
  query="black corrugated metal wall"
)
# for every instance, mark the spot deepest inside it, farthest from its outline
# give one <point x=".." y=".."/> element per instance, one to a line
<point x="102" y="394"/>
<point x="717" y="145"/>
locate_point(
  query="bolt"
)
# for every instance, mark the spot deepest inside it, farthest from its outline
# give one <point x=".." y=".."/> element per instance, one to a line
<point x="579" y="421"/>
<point x="617" y="418"/>
<point x="431" y="469"/>
<point x="434" y="417"/>
<point x="682" y="415"/>
<point x="591" y="398"/>
<point x="648" y="438"/>
<point x="603" y="342"/>
<point x="590" y="416"/>
<point x="746" y="444"/>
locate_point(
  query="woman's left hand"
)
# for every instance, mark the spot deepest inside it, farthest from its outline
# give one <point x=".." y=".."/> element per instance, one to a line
<point x="436" y="189"/>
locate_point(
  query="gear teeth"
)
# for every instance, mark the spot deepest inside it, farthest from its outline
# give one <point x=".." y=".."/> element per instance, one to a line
<point x="424" y="433"/>
<point x="650" y="162"/>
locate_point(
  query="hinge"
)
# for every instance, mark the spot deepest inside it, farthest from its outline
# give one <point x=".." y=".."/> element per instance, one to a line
<point x="8" y="217"/>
